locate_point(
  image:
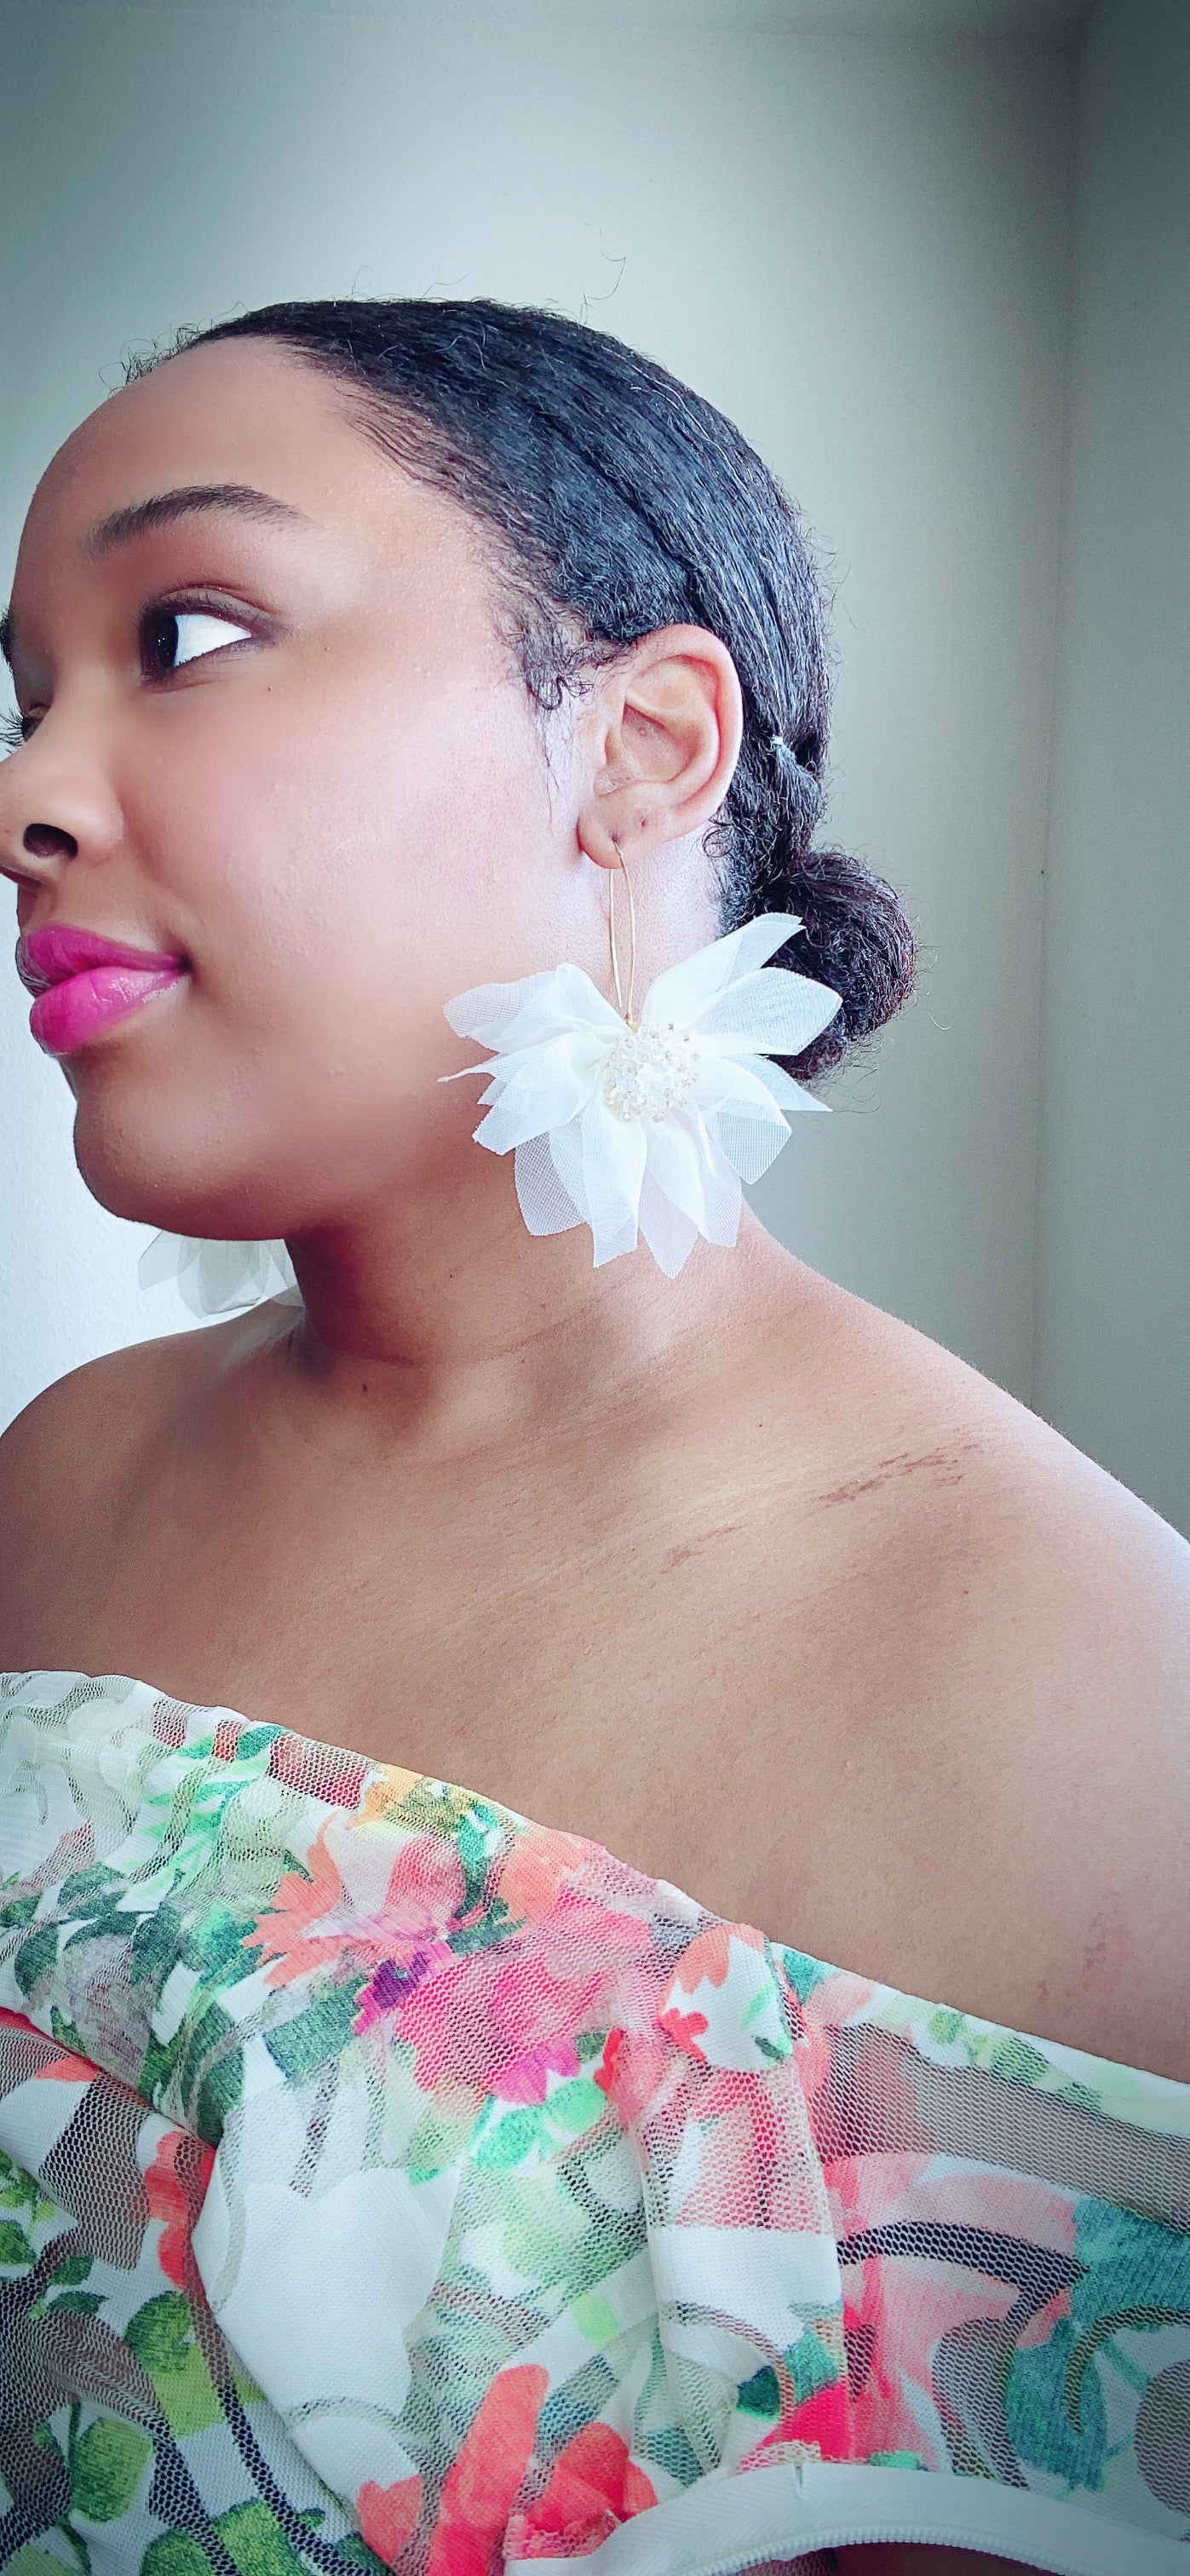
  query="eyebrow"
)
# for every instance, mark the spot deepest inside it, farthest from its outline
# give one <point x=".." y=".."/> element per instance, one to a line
<point x="238" y="500"/>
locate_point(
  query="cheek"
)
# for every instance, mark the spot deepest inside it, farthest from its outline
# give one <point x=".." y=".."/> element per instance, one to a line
<point x="339" y="865"/>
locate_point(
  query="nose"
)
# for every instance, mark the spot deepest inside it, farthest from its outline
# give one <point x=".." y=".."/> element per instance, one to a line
<point x="57" y="801"/>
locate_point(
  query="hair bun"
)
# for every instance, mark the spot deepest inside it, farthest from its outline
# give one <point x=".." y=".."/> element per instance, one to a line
<point x="855" y="937"/>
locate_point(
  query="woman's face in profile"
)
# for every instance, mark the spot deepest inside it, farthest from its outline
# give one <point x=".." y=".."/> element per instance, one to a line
<point x="287" y="742"/>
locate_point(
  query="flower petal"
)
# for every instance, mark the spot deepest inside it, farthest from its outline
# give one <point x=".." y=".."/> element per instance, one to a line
<point x="748" y="1143"/>
<point x="539" y="1088"/>
<point x="687" y="1163"/>
<point x="683" y="992"/>
<point x="744" y="1101"/>
<point x="675" y="1153"/>
<point x="670" y="1236"/>
<point x="773" y="1012"/>
<point x="215" y="1277"/>
<point x="567" y="1000"/>
<point x="546" y="1206"/>
<point x="786" y="1092"/>
<point x="509" y="1016"/>
<point x="736" y="1078"/>
<point x="488" y="1009"/>
<point x="600" y="1160"/>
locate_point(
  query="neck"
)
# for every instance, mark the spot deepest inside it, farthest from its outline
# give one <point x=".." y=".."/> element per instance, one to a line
<point x="462" y="1333"/>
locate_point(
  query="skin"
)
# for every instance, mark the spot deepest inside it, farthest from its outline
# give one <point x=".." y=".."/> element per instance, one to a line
<point x="597" y="1543"/>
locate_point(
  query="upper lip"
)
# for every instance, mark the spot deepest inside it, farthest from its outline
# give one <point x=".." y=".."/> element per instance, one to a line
<point x="61" y="948"/>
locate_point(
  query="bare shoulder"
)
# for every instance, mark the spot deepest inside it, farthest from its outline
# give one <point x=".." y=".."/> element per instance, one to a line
<point x="1045" y="1656"/>
<point x="1079" y="1668"/>
<point x="66" y="1458"/>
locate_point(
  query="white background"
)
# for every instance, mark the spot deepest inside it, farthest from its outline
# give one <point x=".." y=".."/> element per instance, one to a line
<point x="936" y="262"/>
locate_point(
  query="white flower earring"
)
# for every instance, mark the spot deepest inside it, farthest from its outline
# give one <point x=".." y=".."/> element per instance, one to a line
<point x="648" y="1124"/>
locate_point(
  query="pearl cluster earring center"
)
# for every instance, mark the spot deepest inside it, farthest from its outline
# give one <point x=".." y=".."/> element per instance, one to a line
<point x="649" y="1072"/>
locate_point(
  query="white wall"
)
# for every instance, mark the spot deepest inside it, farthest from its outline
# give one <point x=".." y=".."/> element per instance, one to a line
<point x="1113" y="1233"/>
<point x="858" y="249"/>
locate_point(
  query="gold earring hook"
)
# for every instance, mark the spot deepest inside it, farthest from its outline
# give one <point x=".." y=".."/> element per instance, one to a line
<point x="624" y="1008"/>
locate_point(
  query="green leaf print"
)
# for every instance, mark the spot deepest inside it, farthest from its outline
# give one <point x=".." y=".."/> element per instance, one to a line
<point x="174" y="2553"/>
<point x="218" y="2094"/>
<point x="73" y="2269"/>
<point x="1081" y="2094"/>
<point x="299" y="2047"/>
<point x="220" y="2082"/>
<point x="803" y="1973"/>
<point x="82" y="2303"/>
<point x="92" y="1890"/>
<point x="1039" y="2427"/>
<point x="254" y="1741"/>
<point x="65" y="2033"/>
<point x="1011" y="2055"/>
<point x="214" y="1943"/>
<point x="256" y="2542"/>
<point x="574" y="2106"/>
<point x="1130" y="2262"/>
<point x="760" y="2395"/>
<point x="14" y="2244"/>
<point x="156" y="1942"/>
<point x="157" y="2066"/>
<point x="1001" y="2052"/>
<point x="19" y="1910"/>
<point x="473" y="1841"/>
<point x="509" y="2140"/>
<point x="492" y="1926"/>
<point x="161" y="2335"/>
<point x="810" y="2366"/>
<point x="160" y="2332"/>
<point x="548" y="2236"/>
<point x="106" y="2465"/>
<point x="18" y="2189"/>
<point x="36" y="1957"/>
<point x="439" y="2137"/>
<point x="430" y="1807"/>
<point x="944" y="2025"/>
<point x="185" y="1819"/>
<point x="505" y="2137"/>
<point x="672" y="2451"/>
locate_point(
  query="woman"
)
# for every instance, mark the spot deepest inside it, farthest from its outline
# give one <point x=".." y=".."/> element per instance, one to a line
<point x="418" y="2186"/>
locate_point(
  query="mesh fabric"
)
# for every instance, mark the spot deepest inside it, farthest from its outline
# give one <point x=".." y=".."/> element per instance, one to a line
<point x="388" y="2182"/>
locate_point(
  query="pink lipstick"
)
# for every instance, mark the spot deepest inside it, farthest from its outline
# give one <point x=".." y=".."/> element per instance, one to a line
<point x="84" y="984"/>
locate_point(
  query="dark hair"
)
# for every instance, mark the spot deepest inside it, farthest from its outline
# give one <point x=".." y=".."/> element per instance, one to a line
<point x="621" y="502"/>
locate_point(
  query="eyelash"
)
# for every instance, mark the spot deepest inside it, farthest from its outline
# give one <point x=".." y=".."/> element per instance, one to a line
<point x="12" y="723"/>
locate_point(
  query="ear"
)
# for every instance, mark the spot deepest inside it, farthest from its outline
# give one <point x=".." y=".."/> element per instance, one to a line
<point x="664" y="726"/>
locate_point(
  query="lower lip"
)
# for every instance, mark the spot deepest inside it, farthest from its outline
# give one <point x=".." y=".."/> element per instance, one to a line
<point x="82" y="1007"/>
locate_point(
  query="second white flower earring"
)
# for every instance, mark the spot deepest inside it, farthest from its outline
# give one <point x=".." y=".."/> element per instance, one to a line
<point x="645" y="1126"/>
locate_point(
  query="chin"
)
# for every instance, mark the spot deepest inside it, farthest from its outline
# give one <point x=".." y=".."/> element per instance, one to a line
<point x="153" y="1170"/>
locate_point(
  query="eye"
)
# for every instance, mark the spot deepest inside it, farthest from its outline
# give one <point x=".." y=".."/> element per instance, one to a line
<point x="12" y="729"/>
<point x="171" y="637"/>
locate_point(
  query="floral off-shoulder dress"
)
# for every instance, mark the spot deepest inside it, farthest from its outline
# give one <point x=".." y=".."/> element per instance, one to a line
<point x="389" y="2183"/>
